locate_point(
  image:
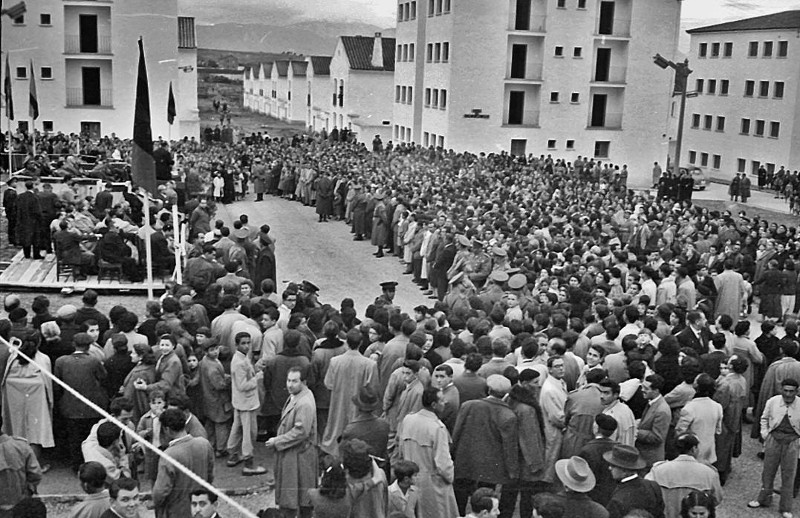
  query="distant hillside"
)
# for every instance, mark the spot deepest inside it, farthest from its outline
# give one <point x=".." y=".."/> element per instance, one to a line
<point x="309" y="38"/>
<point x="232" y="58"/>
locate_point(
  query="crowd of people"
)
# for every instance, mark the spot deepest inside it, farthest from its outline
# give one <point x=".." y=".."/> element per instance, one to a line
<point x="585" y="350"/>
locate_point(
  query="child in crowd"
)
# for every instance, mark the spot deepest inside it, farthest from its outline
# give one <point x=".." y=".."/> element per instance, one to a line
<point x="149" y="427"/>
<point x="403" y="495"/>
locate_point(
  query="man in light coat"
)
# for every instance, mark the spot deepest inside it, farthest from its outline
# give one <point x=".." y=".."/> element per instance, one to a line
<point x="296" y="461"/>
<point x="684" y="474"/>
<point x="654" y="425"/>
<point x="244" y="398"/>
<point x="730" y="292"/>
<point x="172" y="489"/>
<point x="422" y="438"/>
<point x="553" y="398"/>
<point x="702" y="417"/>
<point x="346" y="375"/>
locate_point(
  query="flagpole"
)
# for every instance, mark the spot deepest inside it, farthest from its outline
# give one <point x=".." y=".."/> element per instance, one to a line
<point x="148" y="247"/>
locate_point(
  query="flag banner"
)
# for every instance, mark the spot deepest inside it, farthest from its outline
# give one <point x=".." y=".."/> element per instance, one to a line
<point x="33" y="109"/>
<point x="7" y="92"/>
<point x="143" y="166"/>
<point x="171" y="112"/>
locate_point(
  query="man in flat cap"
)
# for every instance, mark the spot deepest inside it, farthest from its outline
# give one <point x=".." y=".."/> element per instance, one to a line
<point x="593" y="452"/>
<point x="489" y="426"/>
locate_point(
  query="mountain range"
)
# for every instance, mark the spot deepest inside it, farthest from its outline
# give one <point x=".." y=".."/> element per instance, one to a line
<point x="308" y="37"/>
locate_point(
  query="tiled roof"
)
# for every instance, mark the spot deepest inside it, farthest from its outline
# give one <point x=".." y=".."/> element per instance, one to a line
<point x="267" y="70"/>
<point x="283" y="68"/>
<point x="253" y="73"/>
<point x="186" y="34"/>
<point x="321" y="65"/>
<point x="359" y="52"/>
<point x="299" y="68"/>
<point x="777" y="21"/>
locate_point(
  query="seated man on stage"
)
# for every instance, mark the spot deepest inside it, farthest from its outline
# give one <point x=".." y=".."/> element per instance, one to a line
<point x="163" y="249"/>
<point x="112" y="248"/>
<point x="69" y="249"/>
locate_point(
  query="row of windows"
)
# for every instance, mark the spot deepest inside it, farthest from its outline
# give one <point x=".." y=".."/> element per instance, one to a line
<point x="562" y="4"/>
<point x="574" y="98"/>
<point x="727" y="50"/>
<point x="436" y="98"/>
<point x="44" y="73"/>
<point x="759" y="127"/>
<point x="403" y="94"/>
<point x="402" y="133"/>
<point x="577" y="52"/>
<point x="431" y="139"/>
<point x="44" y="19"/>
<point x="708" y="122"/>
<point x="406" y="11"/>
<point x="405" y="52"/>
<point x="763" y="89"/>
<point x="553" y="144"/>
<point x="709" y="86"/>
<point x="767" y="48"/>
<point x="741" y="164"/>
<point x="716" y="159"/>
<point x="438" y="52"/>
<point x="438" y="7"/>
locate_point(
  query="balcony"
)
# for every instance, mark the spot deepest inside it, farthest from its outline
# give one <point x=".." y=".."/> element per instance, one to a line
<point x="533" y="74"/>
<point x="72" y="45"/>
<point x="611" y="76"/>
<point x="78" y="98"/>
<point x="537" y="25"/>
<point x="611" y="121"/>
<point x="613" y="28"/>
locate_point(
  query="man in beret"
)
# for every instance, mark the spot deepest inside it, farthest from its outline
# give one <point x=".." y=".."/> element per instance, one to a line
<point x="488" y="426"/>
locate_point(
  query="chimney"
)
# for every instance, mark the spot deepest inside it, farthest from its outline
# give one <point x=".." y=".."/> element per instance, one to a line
<point x="377" y="51"/>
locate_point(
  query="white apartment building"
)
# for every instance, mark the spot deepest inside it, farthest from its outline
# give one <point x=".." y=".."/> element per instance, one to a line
<point x="362" y="75"/>
<point x="560" y="77"/>
<point x="320" y="93"/>
<point x="747" y="112"/>
<point x="85" y="59"/>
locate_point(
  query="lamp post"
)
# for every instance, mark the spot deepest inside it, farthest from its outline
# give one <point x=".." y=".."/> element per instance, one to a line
<point x="682" y="72"/>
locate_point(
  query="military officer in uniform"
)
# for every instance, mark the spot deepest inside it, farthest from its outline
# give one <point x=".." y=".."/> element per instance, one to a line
<point x="478" y="264"/>
<point x="516" y="285"/>
<point x="493" y="292"/>
<point x="386" y="298"/>
<point x="500" y="259"/>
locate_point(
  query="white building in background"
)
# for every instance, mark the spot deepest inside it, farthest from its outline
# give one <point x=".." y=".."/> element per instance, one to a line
<point x="362" y="76"/>
<point x="85" y="59"/>
<point x="748" y="110"/>
<point x="297" y="92"/>
<point x="560" y="77"/>
<point x="320" y="93"/>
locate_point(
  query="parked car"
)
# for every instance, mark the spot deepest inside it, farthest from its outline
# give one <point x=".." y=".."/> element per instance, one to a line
<point x="699" y="176"/>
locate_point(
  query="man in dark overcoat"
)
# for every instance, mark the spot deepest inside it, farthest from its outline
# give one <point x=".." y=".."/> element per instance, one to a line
<point x="29" y="222"/>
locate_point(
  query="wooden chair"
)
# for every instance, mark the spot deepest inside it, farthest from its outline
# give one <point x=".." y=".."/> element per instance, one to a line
<point x="64" y="269"/>
<point x="110" y="271"/>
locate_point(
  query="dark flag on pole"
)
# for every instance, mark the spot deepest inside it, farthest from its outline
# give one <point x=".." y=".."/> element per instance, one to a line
<point x="7" y="92"/>
<point x="33" y="109"/>
<point x="143" y="166"/>
<point x="171" y="112"/>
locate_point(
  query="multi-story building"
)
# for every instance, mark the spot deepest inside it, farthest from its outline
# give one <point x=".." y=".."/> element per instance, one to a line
<point x="747" y="113"/>
<point x="362" y="75"/>
<point x="297" y="91"/>
<point x="560" y="77"/>
<point x="320" y="92"/>
<point x="85" y="60"/>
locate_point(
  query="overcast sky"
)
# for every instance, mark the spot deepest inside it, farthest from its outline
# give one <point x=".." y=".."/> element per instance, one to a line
<point x="381" y="12"/>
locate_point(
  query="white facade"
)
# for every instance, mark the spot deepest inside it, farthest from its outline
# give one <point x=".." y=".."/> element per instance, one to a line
<point x="362" y="77"/>
<point x="747" y="113"/>
<point x="297" y="92"/>
<point x="563" y="77"/>
<point x="320" y="88"/>
<point x="85" y="60"/>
